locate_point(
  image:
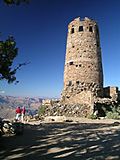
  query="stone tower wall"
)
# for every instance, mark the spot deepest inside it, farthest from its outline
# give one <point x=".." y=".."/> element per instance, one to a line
<point x="83" y="66"/>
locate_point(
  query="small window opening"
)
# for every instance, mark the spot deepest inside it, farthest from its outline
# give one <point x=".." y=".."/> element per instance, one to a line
<point x="76" y="65"/>
<point x="71" y="63"/>
<point x="80" y="65"/>
<point x="77" y="82"/>
<point x="90" y="29"/>
<point x="80" y="28"/>
<point x="72" y="30"/>
<point x="68" y="97"/>
<point x="69" y="83"/>
<point x="73" y="46"/>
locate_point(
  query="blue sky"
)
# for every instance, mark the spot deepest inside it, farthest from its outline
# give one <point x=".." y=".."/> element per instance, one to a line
<point x="40" y="30"/>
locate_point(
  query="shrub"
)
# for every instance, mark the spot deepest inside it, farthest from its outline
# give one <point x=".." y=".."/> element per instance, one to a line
<point x="92" y="116"/>
<point x="114" y="113"/>
<point x="41" y="110"/>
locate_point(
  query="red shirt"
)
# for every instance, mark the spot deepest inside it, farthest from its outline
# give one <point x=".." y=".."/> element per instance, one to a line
<point x="18" y="110"/>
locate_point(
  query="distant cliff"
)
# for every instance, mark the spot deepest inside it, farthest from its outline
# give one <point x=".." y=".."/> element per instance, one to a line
<point x="28" y="102"/>
<point x="9" y="103"/>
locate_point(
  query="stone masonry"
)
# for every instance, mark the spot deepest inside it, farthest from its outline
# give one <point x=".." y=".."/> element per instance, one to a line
<point x="83" y="73"/>
<point x="83" y="93"/>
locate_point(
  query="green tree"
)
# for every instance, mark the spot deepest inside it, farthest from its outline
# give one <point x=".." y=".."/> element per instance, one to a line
<point x="8" y="52"/>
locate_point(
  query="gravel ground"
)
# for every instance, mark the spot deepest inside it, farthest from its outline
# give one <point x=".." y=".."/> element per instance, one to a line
<point x="82" y="139"/>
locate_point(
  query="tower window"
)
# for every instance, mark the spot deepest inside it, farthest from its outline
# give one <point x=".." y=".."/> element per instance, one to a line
<point x="69" y="83"/>
<point x="77" y="82"/>
<point x="71" y="63"/>
<point x="79" y="65"/>
<point x="80" y="28"/>
<point x="90" y="29"/>
<point x="72" y="30"/>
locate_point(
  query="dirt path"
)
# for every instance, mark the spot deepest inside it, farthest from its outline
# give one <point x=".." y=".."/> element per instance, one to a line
<point x="84" y="141"/>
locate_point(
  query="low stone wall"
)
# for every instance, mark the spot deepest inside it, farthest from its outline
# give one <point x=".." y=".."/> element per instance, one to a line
<point x="90" y="106"/>
<point x="106" y="101"/>
<point x="68" y="110"/>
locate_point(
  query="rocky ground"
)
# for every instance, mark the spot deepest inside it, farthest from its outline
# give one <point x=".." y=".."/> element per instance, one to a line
<point x="56" y="139"/>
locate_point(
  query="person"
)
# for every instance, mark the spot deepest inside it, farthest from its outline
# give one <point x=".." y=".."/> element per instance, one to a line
<point x="23" y="113"/>
<point x="18" y="114"/>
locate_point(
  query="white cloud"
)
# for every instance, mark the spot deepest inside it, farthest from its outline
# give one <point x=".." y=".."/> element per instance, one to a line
<point x="2" y="91"/>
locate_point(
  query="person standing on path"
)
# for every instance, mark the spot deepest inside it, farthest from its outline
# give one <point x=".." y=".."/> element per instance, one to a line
<point x="23" y="114"/>
<point x="18" y="114"/>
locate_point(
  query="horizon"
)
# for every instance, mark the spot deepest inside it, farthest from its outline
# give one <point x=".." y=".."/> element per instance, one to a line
<point x="40" y="31"/>
<point x="41" y="97"/>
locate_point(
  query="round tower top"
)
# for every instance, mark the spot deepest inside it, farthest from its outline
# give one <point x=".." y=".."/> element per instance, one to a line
<point x="84" y="21"/>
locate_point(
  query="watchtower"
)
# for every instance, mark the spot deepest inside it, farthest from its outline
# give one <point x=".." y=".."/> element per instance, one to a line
<point x="83" y="73"/>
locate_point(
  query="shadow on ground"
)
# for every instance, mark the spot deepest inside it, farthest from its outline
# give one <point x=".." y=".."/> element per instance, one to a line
<point x="63" y="141"/>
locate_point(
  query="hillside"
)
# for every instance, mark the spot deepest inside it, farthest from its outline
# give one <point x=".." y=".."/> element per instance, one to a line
<point x="9" y="103"/>
<point x="12" y="101"/>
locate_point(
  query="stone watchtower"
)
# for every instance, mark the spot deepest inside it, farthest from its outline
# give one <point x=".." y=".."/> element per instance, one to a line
<point x="83" y="73"/>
